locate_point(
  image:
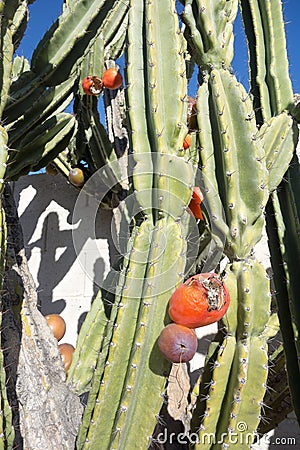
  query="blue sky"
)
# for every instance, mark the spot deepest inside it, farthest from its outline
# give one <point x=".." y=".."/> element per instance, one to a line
<point x="44" y="12"/>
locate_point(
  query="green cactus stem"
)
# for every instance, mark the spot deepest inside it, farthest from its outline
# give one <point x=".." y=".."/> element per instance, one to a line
<point x="6" y="419"/>
<point x="283" y="244"/>
<point x="100" y="149"/>
<point x="268" y="62"/>
<point x="35" y="372"/>
<point x="20" y="65"/>
<point x="232" y="148"/>
<point x="86" y="357"/>
<point x="30" y="100"/>
<point x="209" y="31"/>
<point x="280" y="136"/>
<point x="134" y="369"/>
<point x="227" y="125"/>
<point x="41" y="145"/>
<point x="272" y="90"/>
<point x="115" y="47"/>
<point x="125" y="406"/>
<point x="277" y="399"/>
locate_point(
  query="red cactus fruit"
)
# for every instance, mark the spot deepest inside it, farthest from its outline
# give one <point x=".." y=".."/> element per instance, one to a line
<point x="177" y="343"/>
<point x="201" y="300"/>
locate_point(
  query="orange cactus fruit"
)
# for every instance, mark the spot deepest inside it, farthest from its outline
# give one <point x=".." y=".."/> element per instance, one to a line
<point x="92" y="85"/>
<point x="187" y="142"/>
<point x="112" y="78"/>
<point x="195" y="203"/>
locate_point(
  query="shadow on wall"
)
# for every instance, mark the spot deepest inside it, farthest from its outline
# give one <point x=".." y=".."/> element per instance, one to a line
<point x="45" y="204"/>
<point x="99" y="270"/>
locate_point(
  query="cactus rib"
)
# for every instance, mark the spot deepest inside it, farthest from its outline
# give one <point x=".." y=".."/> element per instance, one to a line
<point x="269" y="78"/>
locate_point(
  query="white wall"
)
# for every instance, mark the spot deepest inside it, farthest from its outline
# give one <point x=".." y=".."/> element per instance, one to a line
<point x="65" y="280"/>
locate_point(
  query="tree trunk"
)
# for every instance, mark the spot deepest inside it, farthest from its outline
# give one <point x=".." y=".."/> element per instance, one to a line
<point x="46" y="414"/>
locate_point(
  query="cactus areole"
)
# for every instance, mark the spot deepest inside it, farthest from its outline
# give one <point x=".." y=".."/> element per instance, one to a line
<point x="203" y="299"/>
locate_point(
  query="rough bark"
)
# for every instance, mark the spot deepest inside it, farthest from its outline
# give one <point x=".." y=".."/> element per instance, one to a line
<point x="46" y="413"/>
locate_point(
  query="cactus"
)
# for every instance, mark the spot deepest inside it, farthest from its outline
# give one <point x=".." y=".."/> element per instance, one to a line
<point x="10" y="16"/>
<point x="273" y="93"/>
<point x="36" y="129"/>
<point x="243" y="147"/>
<point x="227" y="124"/>
<point x="137" y="315"/>
<point x="231" y="149"/>
<point x="40" y="93"/>
<point x="6" y="424"/>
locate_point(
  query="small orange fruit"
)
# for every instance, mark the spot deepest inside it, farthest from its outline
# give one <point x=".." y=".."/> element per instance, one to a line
<point x="76" y="177"/>
<point x="57" y="325"/>
<point x="194" y="205"/>
<point x="187" y="141"/>
<point x="112" y="78"/>
<point x="92" y="85"/>
<point x="66" y="351"/>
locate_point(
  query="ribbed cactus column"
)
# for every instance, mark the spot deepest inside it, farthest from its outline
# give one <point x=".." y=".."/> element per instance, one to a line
<point x="6" y="428"/>
<point x="130" y="379"/>
<point x="227" y="128"/>
<point x="39" y="129"/>
<point x="240" y="166"/>
<point x="272" y="88"/>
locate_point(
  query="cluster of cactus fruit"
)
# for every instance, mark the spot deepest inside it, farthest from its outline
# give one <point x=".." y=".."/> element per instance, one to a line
<point x="111" y="79"/>
<point x="58" y="328"/>
<point x="218" y="164"/>
<point x="201" y="300"/>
